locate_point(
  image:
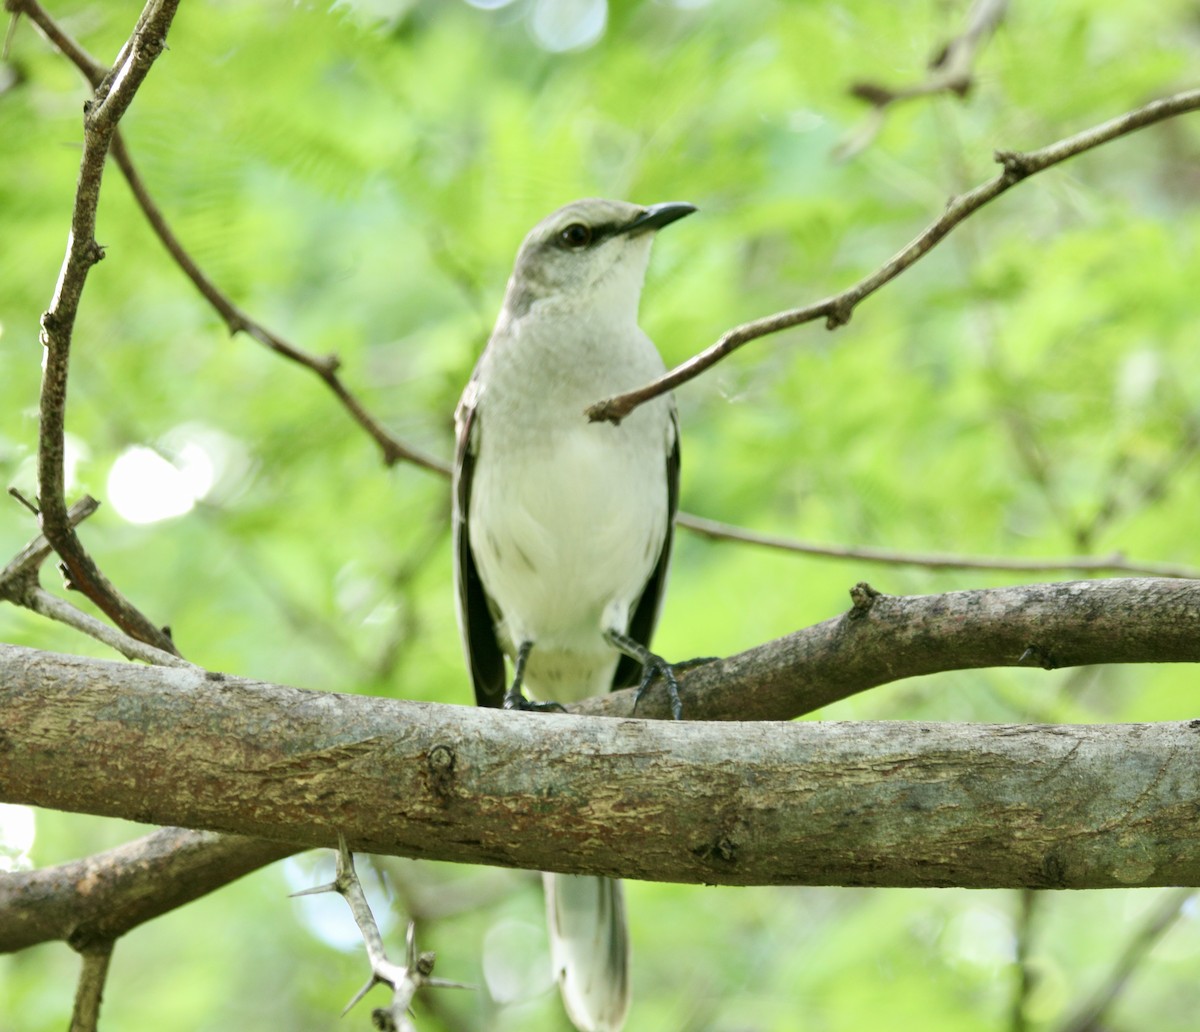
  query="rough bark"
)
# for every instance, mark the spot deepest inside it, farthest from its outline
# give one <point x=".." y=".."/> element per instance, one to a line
<point x="731" y="803"/>
<point x="884" y="638"/>
<point x="93" y="901"/>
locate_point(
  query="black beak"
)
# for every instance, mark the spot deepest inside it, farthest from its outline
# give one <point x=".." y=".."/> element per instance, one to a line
<point x="659" y="215"/>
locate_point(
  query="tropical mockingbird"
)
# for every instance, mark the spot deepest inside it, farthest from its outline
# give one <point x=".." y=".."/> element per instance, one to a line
<point x="563" y="526"/>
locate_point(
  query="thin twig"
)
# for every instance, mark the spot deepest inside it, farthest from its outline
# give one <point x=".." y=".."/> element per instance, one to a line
<point x="1149" y="484"/>
<point x="1090" y="1017"/>
<point x="950" y="71"/>
<point x="42" y="602"/>
<point x="27" y="561"/>
<point x="1115" y="563"/>
<point x="237" y="321"/>
<point x="111" y="100"/>
<point x="19" y="585"/>
<point x="405" y="979"/>
<point x="837" y="309"/>
<point x="92" y="69"/>
<point x="86" y="1014"/>
<point x="1026" y="976"/>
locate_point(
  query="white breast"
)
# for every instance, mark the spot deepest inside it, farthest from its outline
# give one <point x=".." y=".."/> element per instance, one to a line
<point x="566" y="532"/>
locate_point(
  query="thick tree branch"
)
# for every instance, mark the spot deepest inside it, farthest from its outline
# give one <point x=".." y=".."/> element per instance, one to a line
<point x="770" y="803"/>
<point x="89" y="902"/>
<point x="886" y="637"/>
<point x="836" y="310"/>
<point x="112" y="98"/>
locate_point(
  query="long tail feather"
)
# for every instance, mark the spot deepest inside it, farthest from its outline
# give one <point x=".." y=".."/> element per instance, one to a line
<point x="590" y="949"/>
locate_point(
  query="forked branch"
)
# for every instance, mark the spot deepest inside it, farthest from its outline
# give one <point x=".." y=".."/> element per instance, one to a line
<point x="836" y="310"/>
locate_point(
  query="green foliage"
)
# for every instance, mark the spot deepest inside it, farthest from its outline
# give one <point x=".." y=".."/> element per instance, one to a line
<point x="358" y="179"/>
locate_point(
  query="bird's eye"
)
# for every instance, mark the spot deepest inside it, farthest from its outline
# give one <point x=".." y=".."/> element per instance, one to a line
<point x="576" y="235"/>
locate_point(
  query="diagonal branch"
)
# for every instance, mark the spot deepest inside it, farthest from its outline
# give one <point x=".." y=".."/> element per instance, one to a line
<point x="236" y="320"/>
<point x="19" y="585"/>
<point x="112" y="98"/>
<point x="25" y="563"/>
<point x="836" y="310"/>
<point x="1091" y="1016"/>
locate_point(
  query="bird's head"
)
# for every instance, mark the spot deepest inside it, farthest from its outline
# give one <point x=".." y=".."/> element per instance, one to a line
<point x="588" y="255"/>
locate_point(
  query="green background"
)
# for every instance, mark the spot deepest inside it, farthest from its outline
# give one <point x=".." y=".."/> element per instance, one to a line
<point x="359" y="179"/>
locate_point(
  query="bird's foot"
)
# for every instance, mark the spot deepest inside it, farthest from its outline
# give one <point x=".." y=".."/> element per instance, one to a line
<point x="657" y="667"/>
<point x="514" y="700"/>
<point x="653" y="667"/>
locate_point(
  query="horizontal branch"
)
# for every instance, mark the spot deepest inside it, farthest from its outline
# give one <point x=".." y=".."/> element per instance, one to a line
<point x="1115" y="562"/>
<point x="882" y="804"/>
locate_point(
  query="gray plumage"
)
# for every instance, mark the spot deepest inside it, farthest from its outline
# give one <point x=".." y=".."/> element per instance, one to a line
<point x="563" y="527"/>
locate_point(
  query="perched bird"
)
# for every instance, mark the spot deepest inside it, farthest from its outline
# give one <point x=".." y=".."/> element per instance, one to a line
<point x="563" y="527"/>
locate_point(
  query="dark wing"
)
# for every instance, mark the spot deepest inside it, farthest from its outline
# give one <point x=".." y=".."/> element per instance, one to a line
<point x="475" y="625"/>
<point x="645" y="612"/>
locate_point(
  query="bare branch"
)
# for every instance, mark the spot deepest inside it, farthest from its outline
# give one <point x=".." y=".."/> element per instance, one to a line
<point x="326" y="367"/>
<point x="405" y="979"/>
<point x="836" y="310"/>
<point x="90" y="902"/>
<point x="56" y="37"/>
<point x="1091" y="1016"/>
<point x="42" y="602"/>
<point x="19" y="585"/>
<point x="27" y="561"/>
<point x="237" y="321"/>
<point x="950" y="71"/>
<point x="112" y="98"/>
<point x="885" y="638"/>
<point x="769" y="803"/>
<point x="1114" y="563"/>
<point x="86" y="1014"/>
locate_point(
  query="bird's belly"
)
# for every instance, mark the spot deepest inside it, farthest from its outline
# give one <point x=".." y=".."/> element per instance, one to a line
<point x="565" y="541"/>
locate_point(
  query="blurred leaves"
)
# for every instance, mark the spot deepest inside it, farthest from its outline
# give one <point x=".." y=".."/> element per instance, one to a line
<point x="359" y="178"/>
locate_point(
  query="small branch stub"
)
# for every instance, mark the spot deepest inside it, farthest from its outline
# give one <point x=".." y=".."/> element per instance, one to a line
<point x="863" y="597"/>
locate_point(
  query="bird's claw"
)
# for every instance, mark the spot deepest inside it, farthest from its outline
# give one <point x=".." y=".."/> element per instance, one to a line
<point x="658" y="667"/>
<point x="514" y="700"/>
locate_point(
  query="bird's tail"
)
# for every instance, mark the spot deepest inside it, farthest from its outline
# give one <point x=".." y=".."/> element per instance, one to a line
<point x="589" y="946"/>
